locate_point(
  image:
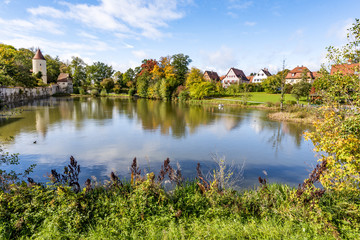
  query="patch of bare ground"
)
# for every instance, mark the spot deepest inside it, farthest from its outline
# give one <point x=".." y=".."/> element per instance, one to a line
<point x="303" y="117"/>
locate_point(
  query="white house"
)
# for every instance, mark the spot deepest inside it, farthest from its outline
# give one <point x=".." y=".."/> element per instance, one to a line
<point x="65" y="83"/>
<point x="234" y="76"/>
<point x="261" y="75"/>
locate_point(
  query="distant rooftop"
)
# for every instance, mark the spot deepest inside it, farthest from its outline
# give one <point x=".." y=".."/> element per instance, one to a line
<point x="38" y="55"/>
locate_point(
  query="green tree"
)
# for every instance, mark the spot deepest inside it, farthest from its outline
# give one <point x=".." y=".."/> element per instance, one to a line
<point x="78" y="72"/>
<point x="52" y="68"/>
<point x="197" y="86"/>
<point x="336" y="135"/>
<point x="128" y="78"/>
<point x="14" y="67"/>
<point x="108" y="84"/>
<point x="97" y="72"/>
<point x="142" y="84"/>
<point x="273" y="84"/>
<point x="180" y="62"/>
<point x="302" y="88"/>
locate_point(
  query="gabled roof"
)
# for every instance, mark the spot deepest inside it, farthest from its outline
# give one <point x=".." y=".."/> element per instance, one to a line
<point x="239" y="73"/>
<point x="64" y="77"/>
<point x="297" y="72"/>
<point x="345" y="68"/>
<point x="38" y="55"/>
<point x="266" y="71"/>
<point x="212" y="75"/>
<point x="250" y="78"/>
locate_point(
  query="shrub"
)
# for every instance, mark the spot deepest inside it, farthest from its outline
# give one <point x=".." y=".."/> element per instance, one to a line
<point x="94" y="92"/>
<point x="269" y="104"/>
<point x="82" y="91"/>
<point x="76" y="90"/>
<point x="290" y="102"/>
<point x="103" y="92"/>
<point x="132" y="91"/>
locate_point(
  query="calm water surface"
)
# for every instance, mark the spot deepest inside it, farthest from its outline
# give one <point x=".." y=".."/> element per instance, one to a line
<point x="105" y="134"/>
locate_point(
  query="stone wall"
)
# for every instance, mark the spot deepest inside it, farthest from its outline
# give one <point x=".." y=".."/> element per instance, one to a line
<point x="10" y="95"/>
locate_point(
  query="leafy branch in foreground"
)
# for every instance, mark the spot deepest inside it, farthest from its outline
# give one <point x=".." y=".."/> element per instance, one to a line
<point x="336" y="135"/>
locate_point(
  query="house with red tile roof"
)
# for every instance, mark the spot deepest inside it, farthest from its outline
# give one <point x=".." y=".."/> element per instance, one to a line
<point x="346" y="69"/>
<point x="295" y="75"/>
<point x="211" y="76"/>
<point x="234" y="76"/>
<point x="250" y="78"/>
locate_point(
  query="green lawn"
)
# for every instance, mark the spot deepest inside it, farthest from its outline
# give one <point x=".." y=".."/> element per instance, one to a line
<point x="263" y="97"/>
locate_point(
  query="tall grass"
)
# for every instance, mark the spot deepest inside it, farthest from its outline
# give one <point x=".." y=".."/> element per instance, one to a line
<point x="140" y="208"/>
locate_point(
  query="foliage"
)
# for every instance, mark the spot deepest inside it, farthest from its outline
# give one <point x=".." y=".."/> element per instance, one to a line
<point x="103" y="92"/>
<point x="272" y="84"/>
<point x="94" y="92"/>
<point x="108" y="84"/>
<point x="78" y="72"/>
<point x="97" y="72"/>
<point x="11" y="177"/>
<point x="301" y="89"/>
<point x="180" y="64"/>
<point x="198" y="88"/>
<point x="132" y="91"/>
<point x="336" y="135"/>
<point x="15" y="67"/>
<point x="52" y="68"/>
<point x="142" y="208"/>
<point x="142" y="84"/>
<point x="351" y="51"/>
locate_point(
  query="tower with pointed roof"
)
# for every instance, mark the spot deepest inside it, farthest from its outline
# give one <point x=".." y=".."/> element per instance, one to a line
<point x="39" y="65"/>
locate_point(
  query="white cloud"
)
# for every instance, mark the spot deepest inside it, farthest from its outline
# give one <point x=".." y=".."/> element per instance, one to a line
<point x="18" y="27"/>
<point x="139" y="54"/>
<point x="240" y="4"/>
<point x="220" y="60"/>
<point x="46" y="11"/>
<point x="7" y="1"/>
<point x="120" y="16"/>
<point x="86" y="35"/>
<point x="250" y="24"/>
<point x="128" y="45"/>
<point x="340" y="29"/>
<point x="299" y="33"/>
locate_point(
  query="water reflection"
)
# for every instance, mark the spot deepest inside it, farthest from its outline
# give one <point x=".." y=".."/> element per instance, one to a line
<point x="104" y="134"/>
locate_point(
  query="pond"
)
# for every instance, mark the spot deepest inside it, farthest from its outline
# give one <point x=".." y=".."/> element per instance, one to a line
<point x="105" y="134"/>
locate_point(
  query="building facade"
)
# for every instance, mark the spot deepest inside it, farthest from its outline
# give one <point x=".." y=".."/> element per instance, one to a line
<point x="39" y="65"/>
<point x="234" y="76"/>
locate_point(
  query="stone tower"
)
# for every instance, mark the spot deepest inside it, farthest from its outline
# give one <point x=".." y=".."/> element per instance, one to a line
<point x="39" y="65"/>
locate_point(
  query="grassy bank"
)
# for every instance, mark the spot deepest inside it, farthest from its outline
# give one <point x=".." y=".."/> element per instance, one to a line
<point x="142" y="209"/>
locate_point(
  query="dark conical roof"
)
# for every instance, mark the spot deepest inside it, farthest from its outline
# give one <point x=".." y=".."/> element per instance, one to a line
<point x="38" y="55"/>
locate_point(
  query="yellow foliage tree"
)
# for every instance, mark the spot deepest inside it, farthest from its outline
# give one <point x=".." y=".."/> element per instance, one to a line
<point x="337" y="133"/>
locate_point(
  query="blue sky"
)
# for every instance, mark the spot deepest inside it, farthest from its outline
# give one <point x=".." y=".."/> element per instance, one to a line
<point x="217" y="35"/>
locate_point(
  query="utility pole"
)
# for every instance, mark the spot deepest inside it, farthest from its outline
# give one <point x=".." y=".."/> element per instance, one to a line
<point x="282" y="99"/>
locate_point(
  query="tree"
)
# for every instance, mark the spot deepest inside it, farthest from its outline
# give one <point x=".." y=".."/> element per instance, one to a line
<point x="337" y="135"/>
<point x="301" y="89"/>
<point x="142" y="84"/>
<point x="197" y="86"/>
<point x="180" y="62"/>
<point x="128" y="78"/>
<point x="14" y="67"/>
<point x="78" y="72"/>
<point x="108" y="84"/>
<point x="97" y="72"/>
<point x="52" y="68"/>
